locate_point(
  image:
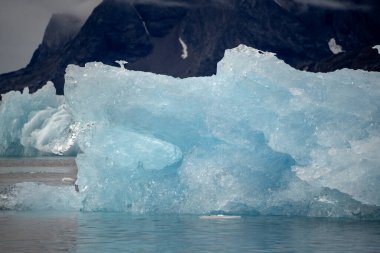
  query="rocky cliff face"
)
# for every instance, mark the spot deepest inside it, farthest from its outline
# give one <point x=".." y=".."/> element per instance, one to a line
<point x="44" y="66"/>
<point x="188" y="38"/>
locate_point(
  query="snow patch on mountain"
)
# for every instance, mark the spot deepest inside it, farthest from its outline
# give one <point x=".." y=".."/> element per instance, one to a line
<point x="335" y="47"/>
<point x="185" y="53"/>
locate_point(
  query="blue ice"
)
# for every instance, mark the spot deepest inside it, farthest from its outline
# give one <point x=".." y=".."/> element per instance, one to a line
<point x="259" y="137"/>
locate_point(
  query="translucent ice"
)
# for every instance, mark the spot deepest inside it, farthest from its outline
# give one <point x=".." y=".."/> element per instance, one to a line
<point x="257" y="138"/>
<point x="32" y="196"/>
<point x="35" y="124"/>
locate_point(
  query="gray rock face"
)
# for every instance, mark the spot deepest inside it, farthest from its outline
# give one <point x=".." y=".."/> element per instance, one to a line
<point x="188" y="38"/>
<point x="61" y="29"/>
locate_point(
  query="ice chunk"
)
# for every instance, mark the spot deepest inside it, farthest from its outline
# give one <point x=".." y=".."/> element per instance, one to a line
<point x="121" y="63"/>
<point x="245" y="135"/>
<point x="125" y="167"/>
<point x="35" y="124"/>
<point x="248" y="140"/>
<point x="50" y="130"/>
<point x="33" y="196"/>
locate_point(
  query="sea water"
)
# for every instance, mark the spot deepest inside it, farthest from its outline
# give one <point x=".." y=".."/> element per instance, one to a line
<point x="120" y="232"/>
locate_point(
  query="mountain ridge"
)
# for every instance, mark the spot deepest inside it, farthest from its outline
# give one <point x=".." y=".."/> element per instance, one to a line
<point x="151" y="36"/>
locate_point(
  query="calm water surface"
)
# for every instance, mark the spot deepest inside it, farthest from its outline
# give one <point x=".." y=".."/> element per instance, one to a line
<point x="118" y="232"/>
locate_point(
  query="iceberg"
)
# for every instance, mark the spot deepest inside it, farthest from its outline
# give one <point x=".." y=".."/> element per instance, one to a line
<point x="259" y="137"/>
<point x="35" y="124"/>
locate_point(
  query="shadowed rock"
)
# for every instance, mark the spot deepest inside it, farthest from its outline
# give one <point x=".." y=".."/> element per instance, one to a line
<point x="147" y="35"/>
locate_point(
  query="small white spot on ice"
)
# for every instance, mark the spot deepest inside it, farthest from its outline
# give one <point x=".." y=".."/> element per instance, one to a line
<point x="296" y="91"/>
<point x="378" y="48"/>
<point x="219" y="217"/>
<point x="121" y="63"/>
<point x="184" y="54"/>
<point x="324" y="199"/>
<point x="68" y="180"/>
<point x="334" y="47"/>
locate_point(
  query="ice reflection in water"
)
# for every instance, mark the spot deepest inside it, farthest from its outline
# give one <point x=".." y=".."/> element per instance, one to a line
<point x="118" y="232"/>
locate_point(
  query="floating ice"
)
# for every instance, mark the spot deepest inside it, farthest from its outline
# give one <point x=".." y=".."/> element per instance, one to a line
<point x="32" y="196"/>
<point x="257" y="138"/>
<point x="35" y="124"/>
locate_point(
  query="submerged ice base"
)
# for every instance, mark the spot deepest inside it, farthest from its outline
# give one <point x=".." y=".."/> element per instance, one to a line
<point x="257" y="138"/>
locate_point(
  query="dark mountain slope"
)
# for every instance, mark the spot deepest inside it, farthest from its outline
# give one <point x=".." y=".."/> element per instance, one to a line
<point x="188" y="38"/>
<point x="60" y="31"/>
